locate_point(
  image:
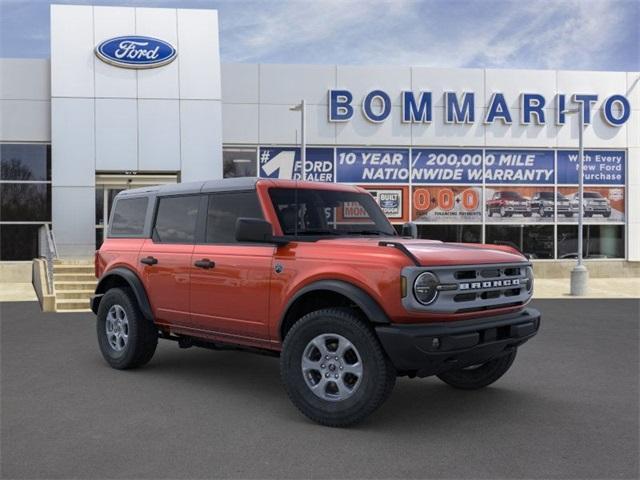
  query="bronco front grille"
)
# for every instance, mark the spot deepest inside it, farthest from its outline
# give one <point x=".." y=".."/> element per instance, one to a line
<point x="474" y="287"/>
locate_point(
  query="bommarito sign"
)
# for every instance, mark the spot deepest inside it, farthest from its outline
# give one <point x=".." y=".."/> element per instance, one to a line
<point x="460" y="108"/>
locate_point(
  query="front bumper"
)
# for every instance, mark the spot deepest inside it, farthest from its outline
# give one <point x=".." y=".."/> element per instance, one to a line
<point x="602" y="210"/>
<point x="429" y="349"/>
<point x="517" y="209"/>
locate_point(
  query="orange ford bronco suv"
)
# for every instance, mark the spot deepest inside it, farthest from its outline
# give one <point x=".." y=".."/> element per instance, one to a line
<point x="316" y="274"/>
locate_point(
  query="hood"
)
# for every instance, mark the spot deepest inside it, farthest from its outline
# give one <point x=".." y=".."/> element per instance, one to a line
<point x="442" y="253"/>
<point x="434" y="252"/>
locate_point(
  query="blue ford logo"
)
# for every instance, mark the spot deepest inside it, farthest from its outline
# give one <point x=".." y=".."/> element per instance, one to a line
<point x="134" y="51"/>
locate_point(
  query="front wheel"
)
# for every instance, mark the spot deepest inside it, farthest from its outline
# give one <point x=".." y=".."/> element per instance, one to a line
<point x="334" y="369"/>
<point x="479" y="376"/>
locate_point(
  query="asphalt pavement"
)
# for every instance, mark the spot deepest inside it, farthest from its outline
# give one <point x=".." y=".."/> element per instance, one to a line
<point x="568" y="408"/>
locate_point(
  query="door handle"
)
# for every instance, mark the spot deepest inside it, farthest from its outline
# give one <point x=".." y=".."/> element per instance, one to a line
<point x="205" y="263"/>
<point x="149" y="260"/>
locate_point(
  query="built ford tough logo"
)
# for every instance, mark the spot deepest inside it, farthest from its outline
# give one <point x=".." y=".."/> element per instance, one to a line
<point x="136" y="52"/>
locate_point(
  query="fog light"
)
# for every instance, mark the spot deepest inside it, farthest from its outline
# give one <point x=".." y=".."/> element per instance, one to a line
<point x="435" y="343"/>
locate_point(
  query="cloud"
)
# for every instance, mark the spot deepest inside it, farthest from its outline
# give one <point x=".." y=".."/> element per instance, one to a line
<point x="544" y="34"/>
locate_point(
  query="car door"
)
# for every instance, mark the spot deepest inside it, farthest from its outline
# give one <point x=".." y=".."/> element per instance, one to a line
<point x="230" y="281"/>
<point x="165" y="259"/>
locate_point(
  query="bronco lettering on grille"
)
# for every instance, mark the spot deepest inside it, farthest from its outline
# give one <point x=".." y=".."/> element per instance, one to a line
<point x="490" y="284"/>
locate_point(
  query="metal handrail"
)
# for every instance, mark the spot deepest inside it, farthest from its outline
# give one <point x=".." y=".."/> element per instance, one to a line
<point x="49" y="250"/>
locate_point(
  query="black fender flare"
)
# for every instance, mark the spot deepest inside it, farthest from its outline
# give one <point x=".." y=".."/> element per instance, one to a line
<point x="134" y="283"/>
<point x="359" y="297"/>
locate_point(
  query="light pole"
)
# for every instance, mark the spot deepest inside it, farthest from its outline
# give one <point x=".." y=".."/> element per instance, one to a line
<point x="580" y="274"/>
<point x="303" y="140"/>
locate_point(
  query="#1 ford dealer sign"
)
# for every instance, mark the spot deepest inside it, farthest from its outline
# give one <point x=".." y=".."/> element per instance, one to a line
<point x="134" y="51"/>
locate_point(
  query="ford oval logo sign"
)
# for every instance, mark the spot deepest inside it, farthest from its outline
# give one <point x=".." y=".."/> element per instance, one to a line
<point x="134" y="51"/>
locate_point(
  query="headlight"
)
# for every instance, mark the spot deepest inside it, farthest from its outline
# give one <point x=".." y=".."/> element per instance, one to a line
<point x="425" y="288"/>
<point x="530" y="279"/>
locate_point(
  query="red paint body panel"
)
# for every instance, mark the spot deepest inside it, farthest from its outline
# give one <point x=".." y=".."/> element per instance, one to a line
<point x="167" y="283"/>
<point x="233" y="297"/>
<point x="242" y="300"/>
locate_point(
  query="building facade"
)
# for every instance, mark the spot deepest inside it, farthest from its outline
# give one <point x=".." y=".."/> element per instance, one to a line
<point x="470" y="155"/>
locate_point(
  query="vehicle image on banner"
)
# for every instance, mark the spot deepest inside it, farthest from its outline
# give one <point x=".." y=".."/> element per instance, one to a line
<point x="543" y="204"/>
<point x="312" y="272"/>
<point x="594" y="204"/>
<point x="507" y="203"/>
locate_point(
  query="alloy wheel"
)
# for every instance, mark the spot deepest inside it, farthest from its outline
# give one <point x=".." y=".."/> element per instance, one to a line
<point x="332" y="367"/>
<point x="117" y="328"/>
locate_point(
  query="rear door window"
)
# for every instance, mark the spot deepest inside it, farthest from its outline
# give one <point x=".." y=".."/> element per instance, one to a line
<point x="224" y="209"/>
<point x="128" y="217"/>
<point x="176" y="219"/>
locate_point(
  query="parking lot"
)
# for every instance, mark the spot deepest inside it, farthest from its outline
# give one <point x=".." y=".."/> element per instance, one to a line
<point x="567" y="409"/>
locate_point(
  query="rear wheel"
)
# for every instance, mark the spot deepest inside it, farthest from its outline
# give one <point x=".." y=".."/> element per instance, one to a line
<point x="481" y="375"/>
<point x="334" y="369"/>
<point x="126" y="338"/>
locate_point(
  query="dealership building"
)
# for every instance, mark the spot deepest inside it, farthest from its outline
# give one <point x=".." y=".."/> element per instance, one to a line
<point x="470" y="155"/>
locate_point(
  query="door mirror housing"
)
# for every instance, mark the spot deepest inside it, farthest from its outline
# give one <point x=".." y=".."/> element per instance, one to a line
<point x="256" y="230"/>
<point x="409" y="229"/>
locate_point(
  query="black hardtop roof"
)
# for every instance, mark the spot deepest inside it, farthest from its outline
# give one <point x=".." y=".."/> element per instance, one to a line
<point x="223" y="185"/>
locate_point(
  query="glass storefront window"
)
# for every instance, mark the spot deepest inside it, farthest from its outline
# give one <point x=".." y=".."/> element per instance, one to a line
<point x="25" y="202"/>
<point x="25" y="162"/>
<point x="99" y="206"/>
<point x="451" y="233"/>
<point x="239" y="162"/>
<point x="99" y="237"/>
<point x="536" y="241"/>
<point x="18" y="242"/>
<point x="599" y="241"/>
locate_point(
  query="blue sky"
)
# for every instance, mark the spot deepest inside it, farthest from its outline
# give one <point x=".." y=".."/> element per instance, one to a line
<point x="546" y="34"/>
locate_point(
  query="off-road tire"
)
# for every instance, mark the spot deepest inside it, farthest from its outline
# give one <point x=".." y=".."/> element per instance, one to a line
<point x="142" y="333"/>
<point x="480" y="377"/>
<point x="378" y="377"/>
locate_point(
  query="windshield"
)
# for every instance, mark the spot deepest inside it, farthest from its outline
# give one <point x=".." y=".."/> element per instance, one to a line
<point x="592" y="195"/>
<point x="512" y="196"/>
<point x="546" y="195"/>
<point x="328" y="212"/>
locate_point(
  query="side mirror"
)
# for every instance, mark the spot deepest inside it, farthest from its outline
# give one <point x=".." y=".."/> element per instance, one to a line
<point x="409" y="229"/>
<point x="256" y="230"/>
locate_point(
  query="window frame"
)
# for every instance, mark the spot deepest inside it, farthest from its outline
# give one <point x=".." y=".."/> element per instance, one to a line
<point x="142" y="234"/>
<point x="204" y="214"/>
<point x="197" y="229"/>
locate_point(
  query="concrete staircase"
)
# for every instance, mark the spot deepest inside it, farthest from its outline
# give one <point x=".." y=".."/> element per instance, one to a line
<point x="73" y="283"/>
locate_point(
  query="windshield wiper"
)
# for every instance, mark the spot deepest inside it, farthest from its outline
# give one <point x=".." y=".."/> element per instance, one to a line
<point x="367" y="232"/>
<point x="318" y="232"/>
